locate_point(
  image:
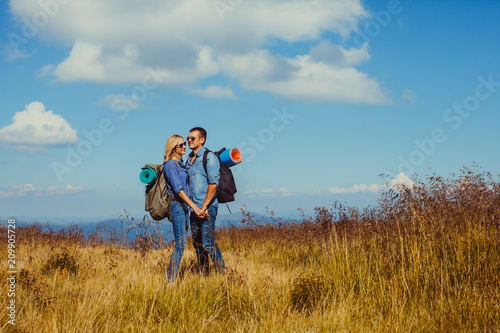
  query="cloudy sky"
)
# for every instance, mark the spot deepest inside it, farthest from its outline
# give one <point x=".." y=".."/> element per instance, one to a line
<point x="321" y="97"/>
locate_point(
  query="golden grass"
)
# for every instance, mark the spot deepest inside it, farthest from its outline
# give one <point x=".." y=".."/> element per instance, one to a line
<point x="425" y="259"/>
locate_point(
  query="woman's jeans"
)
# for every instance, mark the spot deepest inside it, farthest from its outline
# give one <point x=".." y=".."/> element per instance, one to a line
<point x="180" y="218"/>
<point x="203" y="231"/>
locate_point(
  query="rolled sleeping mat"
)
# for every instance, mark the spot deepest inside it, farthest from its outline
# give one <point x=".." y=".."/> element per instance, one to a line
<point x="231" y="157"/>
<point x="147" y="175"/>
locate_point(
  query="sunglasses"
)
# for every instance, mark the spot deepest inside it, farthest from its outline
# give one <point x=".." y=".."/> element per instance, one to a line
<point x="181" y="145"/>
<point x="191" y="138"/>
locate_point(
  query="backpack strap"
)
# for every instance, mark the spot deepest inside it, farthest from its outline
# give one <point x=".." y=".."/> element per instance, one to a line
<point x="205" y="154"/>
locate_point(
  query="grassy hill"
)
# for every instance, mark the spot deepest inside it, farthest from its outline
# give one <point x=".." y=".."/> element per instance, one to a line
<point x="425" y="259"/>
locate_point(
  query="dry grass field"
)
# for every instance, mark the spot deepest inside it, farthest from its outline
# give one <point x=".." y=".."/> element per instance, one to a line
<point x="424" y="259"/>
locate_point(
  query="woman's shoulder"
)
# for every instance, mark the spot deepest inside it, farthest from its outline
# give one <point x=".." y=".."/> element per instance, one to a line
<point x="170" y="164"/>
<point x="173" y="163"/>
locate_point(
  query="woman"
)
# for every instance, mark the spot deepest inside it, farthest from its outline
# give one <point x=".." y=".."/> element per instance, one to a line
<point x="177" y="181"/>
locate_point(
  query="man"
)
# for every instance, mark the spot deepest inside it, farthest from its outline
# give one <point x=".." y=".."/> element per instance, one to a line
<point x="203" y="185"/>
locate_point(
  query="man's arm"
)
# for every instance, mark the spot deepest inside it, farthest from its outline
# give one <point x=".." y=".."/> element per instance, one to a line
<point x="213" y="176"/>
<point x="212" y="189"/>
<point x="197" y="211"/>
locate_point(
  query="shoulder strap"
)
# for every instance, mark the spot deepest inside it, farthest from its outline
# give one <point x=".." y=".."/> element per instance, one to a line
<point x="217" y="154"/>
<point x="205" y="154"/>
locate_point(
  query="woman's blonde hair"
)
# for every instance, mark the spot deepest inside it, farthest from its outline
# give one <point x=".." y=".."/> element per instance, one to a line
<point x="170" y="153"/>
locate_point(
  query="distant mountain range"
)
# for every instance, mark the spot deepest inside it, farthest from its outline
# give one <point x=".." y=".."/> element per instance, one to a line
<point x="133" y="226"/>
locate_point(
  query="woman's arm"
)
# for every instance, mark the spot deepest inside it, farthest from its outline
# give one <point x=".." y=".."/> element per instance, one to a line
<point x="191" y="204"/>
<point x="176" y="185"/>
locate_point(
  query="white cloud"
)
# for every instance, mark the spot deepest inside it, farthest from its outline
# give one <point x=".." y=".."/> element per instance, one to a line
<point x="164" y="21"/>
<point x="302" y="78"/>
<point x="268" y="192"/>
<point x="356" y="56"/>
<point x="70" y="188"/>
<point x="337" y="55"/>
<point x="45" y="71"/>
<point x="115" y="41"/>
<point x="27" y="189"/>
<point x="34" y="127"/>
<point x="215" y="92"/>
<point x="374" y="188"/>
<point x="95" y="63"/>
<point x="402" y="179"/>
<point x="5" y="194"/>
<point x="120" y="101"/>
<point x="317" y="192"/>
<point x="258" y="65"/>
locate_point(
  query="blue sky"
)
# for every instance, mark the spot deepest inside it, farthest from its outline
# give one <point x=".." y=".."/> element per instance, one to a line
<point x="321" y="97"/>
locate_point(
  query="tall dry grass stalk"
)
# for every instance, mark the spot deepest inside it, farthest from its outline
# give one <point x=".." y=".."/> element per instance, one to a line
<point x="425" y="259"/>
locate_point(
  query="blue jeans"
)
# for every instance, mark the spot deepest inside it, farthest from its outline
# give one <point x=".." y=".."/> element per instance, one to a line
<point x="204" y="241"/>
<point x="180" y="216"/>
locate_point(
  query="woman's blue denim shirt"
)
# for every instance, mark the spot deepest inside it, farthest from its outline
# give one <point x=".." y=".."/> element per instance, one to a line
<point x="177" y="179"/>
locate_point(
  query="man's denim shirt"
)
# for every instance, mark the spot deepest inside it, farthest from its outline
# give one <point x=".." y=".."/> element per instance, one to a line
<point x="199" y="179"/>
<point x="177" y="178"/>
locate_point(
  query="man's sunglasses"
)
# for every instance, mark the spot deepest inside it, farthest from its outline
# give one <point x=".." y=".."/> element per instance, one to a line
<point x="191" y="138"/>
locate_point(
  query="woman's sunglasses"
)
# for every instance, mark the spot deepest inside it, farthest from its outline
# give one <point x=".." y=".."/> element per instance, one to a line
<point x="181" y="145"/>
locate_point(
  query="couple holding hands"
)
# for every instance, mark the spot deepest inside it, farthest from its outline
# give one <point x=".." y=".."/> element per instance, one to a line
<point x="194" y="187"/>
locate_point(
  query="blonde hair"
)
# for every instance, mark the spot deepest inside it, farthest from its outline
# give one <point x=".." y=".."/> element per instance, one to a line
<point x="170" y="153"/>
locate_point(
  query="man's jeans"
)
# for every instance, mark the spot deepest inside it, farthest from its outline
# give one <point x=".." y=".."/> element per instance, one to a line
<point x="203" y="231"/>
<point x="180" y="215"/>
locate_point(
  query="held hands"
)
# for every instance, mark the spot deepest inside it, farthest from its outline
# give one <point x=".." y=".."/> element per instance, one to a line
<point x="201" y="213"/>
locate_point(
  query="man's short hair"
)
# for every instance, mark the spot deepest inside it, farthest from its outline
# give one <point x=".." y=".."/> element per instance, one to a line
<point x="203" y="133"/>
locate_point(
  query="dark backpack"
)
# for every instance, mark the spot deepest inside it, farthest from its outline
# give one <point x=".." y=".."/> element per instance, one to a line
<point x="157" y="200"/>
<point x="227" y="185"/>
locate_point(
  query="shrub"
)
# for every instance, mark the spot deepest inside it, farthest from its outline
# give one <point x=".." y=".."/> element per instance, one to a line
<point x="150" y="236"/>
<point x="63" y="262"/>
<point x="26" y="278"/>
<point x="307" y="291"/>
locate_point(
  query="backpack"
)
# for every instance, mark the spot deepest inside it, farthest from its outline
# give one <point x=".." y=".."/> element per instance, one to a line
<point x="227" y="185"/>
<point x="157" y="200"/>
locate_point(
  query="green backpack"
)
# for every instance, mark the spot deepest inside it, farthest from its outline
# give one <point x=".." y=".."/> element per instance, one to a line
<point x="157" y="200"/>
